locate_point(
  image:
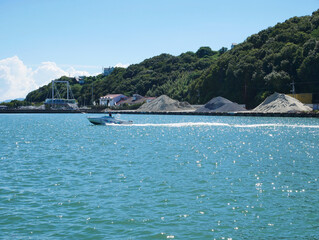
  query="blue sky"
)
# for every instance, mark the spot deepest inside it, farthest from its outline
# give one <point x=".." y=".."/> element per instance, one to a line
<point x="79" y="37"/>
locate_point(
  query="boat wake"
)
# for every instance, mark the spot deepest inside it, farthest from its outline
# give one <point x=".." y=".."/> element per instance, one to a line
<point x="212" y="124"/>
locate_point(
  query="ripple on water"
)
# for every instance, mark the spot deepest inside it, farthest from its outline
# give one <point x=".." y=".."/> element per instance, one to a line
<point x="164" y="177"/>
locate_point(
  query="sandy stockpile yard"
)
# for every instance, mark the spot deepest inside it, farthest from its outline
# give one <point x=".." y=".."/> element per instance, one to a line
<point x="281" y="103"/>
<point x="165" y="104"/>
<point x="220" y="104"/>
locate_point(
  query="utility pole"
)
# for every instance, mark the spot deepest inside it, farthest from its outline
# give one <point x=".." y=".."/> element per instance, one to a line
<point x="293" y="90"/>
<point x="92" y="94"/>
<point x="245" y="93"/>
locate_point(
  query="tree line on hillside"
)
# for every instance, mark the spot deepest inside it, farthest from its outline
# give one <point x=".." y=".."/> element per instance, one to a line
<point x="163" y="74"/>
<point x="275" y="59"/>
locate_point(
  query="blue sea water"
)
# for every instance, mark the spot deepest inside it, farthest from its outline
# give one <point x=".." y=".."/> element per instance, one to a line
<point x="164" y="177"/>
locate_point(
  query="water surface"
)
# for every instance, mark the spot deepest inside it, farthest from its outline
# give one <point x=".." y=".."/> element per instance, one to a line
<point x="181" y="177"/>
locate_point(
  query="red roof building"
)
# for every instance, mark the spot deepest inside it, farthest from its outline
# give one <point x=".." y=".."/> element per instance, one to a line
<point x="112" y="99"/>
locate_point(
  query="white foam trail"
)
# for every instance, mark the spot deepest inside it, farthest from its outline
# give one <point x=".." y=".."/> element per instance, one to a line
<point x="214" y="124"/>
<point x="183" y="124"/>
<point x="275" y="125"/>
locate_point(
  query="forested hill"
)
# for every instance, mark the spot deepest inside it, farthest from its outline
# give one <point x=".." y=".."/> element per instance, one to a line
<point x="266" y="62"/>
<point x="163" y="74"/>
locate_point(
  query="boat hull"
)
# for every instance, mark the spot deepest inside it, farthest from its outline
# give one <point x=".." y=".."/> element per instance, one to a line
<point x="107" y="120"/>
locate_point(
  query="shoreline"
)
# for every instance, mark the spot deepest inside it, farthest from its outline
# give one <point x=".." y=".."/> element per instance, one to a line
<point x="241" y="114"/>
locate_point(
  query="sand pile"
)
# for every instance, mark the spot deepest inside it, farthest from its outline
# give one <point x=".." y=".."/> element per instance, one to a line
<point x="281" y="103"/>
<point x="41" y="107"/>
<point x="165" y="104"/>
<point x="220" y="104"/>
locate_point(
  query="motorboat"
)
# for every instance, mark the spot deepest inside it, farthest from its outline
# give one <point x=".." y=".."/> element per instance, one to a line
<point x="107" y="120"/>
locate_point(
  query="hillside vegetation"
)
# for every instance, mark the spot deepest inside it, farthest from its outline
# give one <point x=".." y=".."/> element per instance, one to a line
<point x="266" y="62"/>
<point x="163" y="74"/>
<point x="269" y="61"/>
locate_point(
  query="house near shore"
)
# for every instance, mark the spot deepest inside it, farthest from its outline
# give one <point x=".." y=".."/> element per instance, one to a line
<point x="3" y="107"/>
<point x="112" y="99"/>
<point x="136" y="99"/>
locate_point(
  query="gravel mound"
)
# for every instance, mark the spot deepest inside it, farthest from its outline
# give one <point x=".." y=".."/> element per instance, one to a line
<point x="42" y="107"/>
<point x="220" y="104"/>
<point x="281" y="103"/>
<point x="165" y="104"/>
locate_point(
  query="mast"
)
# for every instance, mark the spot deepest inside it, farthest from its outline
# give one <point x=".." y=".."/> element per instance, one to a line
<point x="67" y="90"/>
<point x="52" y="90"/>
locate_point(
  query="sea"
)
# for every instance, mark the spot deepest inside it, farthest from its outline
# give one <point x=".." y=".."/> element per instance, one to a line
<point x="163" y="177"/>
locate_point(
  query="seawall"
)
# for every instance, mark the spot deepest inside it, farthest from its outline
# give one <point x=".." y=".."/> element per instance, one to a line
<point x="243" y="114"/>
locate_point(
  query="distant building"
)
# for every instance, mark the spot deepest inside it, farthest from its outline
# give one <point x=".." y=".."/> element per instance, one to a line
<point x="111" y="99"/>
<point x="107" y="71"/>
<point x="80" y="79"/>
<point x="310" y="99"/>
<point x="3" y="107"/>
<point x="233" y="45"/>
<point x="135" y="99"/>
<point x="305" y="98"/>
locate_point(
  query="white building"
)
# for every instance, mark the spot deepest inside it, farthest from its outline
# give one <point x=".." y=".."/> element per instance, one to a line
<point x="111" y="99"/>
<point x="233" y="45"/>
<point x="3" y="107"/>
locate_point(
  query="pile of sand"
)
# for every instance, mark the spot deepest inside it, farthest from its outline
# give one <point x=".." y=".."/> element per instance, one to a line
<point x="165" y="104"/>
<point x="220" y="104"/>
<point x="281" y="103"/>
<point x="42" y="107"/>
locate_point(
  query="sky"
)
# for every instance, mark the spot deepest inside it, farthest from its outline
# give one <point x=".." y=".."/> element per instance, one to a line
<point x="41" y="40"/>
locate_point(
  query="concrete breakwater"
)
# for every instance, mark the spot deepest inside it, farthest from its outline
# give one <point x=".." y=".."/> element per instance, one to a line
<point x="243" y="114"/>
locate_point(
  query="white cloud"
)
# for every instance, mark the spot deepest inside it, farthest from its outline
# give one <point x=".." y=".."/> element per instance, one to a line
<point x="73" y="72"/>
<point x="122" y="65"/>
<point x="46" y="72"/>
<point x="17" y="80"/>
